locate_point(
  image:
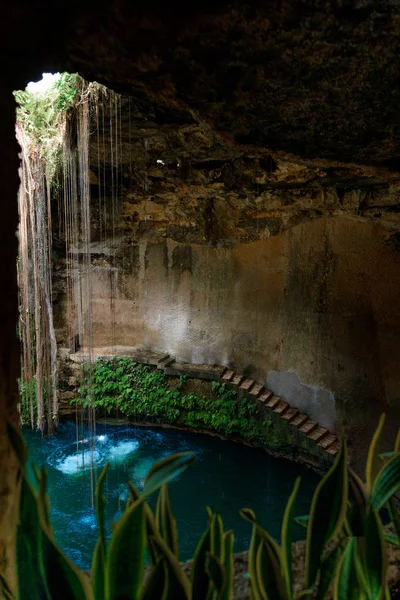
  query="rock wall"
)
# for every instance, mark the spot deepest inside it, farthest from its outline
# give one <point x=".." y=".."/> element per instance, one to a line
<point x="313" y="312"/>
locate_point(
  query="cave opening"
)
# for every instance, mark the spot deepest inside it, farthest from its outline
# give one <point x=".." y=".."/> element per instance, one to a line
<point x="85" y="154"/>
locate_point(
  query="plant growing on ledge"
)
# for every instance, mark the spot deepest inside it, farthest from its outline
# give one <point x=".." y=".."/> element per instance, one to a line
<point x="143" y="393"/>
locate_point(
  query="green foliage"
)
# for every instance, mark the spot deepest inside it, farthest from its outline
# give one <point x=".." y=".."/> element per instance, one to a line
<point x="26" y="389"/>
<point x="353" y="565"/>
<point x="41" y="116"/>
<point x="142" y="392"/>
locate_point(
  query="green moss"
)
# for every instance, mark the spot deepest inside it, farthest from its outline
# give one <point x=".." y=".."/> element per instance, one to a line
<point x="142" y="392"/>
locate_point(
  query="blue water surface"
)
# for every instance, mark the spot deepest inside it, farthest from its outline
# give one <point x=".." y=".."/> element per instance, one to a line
<point x="226" y="477"/>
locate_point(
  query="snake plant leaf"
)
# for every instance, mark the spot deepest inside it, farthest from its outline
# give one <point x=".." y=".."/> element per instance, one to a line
<point x="328" y="512"/>
<point x="346" y="585"/>
<point x="200" y="578"/>
<point x="393" y="539"/>
<point x="302" y="520"/>
<point x="30" y="545"/>
<point x="372" y="551"/>
<point x="101" y="502"/>
<point x="216" y="573"/>
<point x="166" y="469"/>
<point x="217" y="536"/>
<point x="209" y="513"/>
<point x="165" y="521"/>
<point x="357" y="510"/>
<point x="394" y="515"/>
<point x="227" y="593"/>
<point x="372" y="465"/>
<point x="134" y="493"/>
<point x="271" y="583"/>
<point x="178" y="585"/>
<point x="386" y="483"/>
<point x="150" y="523"/>
<point x="397" y="442"/>
<point x="255" y="541"/>
<point x="43" y="501"/>
<point x="17" y="443"/>
<point x="99" y="555"/>
<point x="286" y="539"/>
<point x="388" y="454"/>
<point x="5" y="590"/>
<point x="250" y="516"/>
<point x="98" y="570"/>
<point x="125" y="561"/>
<point x="273" y="556"/>
<point x="156" y="584"/>
<point x="327" y="571"/>
<point x="64" y="580"/>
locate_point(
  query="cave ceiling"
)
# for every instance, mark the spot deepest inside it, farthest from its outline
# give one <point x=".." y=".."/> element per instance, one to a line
<point x="290" y="99"/>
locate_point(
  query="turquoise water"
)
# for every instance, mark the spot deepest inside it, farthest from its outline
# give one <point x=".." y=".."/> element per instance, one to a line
<point x="226" y="476"/>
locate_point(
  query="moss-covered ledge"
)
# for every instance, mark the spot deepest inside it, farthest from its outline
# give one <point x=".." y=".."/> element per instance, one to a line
<point x="145" y="394"/>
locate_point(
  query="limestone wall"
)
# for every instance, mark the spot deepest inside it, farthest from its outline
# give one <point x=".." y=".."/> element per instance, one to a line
<point x="313" y="312"/>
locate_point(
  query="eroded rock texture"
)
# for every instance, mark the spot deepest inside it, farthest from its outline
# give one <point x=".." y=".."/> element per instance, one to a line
<point x="266" y="115"/>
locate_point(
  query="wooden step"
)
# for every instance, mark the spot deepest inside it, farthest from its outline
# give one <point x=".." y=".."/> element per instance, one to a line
<point x="237" y="380"/>
<point x="273" y="401"/>
<point x="281" y="407"/>
<point x="227" y="376"/>
<point x="317" y="434"/>
<point x="333" y="448"/>
<point x="290" y="414"/>
<point x="256" y="390"/>
<point x="308" y="426"/>
<point x="247" y="384"/>
<point x="327" y="441"/>
<point x="265" y="396"/>
<point x="299" y="420"/>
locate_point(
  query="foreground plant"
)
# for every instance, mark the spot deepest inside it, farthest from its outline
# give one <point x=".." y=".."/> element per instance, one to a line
<point x="346" y="553"/>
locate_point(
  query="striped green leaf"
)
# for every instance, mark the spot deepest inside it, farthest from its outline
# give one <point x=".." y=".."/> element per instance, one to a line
<point x="372" y="551"/>
<point x="200" y="577"/>
<point x="327" y="571"/>
<point x="227" y="593"/>
<point x="270" y="581"/>
<point x="328" y="513"/>
<point x="17" y="443"/>
<point x="386" y="483"/>
<point x="156" y="584"/>
<point x="217" y="536"/>
<point x="255" y="541"/>
<point x="64" y="580"/>
<point x="125" y="564"/>
<point x="99" y="555"/>
<point x="166" y="522"/>
<point x="5" y="589"/>
<point x="302" y="520"/>
<point x="99" y="570"/>
<point x="165" y="470"/>
<point x="372" y="466"/>
<point x="216" y="573"/>
<point x="178" y="585"/>
<point x="264" y="553"/>
<point x="286" y="539"/>
<point x="394" y="515"/>
<point x="346" y="586"/>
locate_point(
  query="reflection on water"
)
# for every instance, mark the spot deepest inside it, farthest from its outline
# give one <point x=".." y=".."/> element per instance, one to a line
<point x="226" y="477"/>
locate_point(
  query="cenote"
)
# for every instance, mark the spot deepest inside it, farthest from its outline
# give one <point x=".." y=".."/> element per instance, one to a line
<point x="226" y="476"/>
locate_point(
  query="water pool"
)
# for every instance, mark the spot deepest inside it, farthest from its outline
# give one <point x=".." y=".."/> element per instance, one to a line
<point x="226" y="476"/>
